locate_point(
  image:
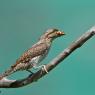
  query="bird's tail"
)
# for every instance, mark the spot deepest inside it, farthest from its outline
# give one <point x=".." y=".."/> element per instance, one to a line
<point x="7" y="73"/>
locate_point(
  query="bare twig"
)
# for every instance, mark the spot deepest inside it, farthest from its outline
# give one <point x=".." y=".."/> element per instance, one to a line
<point x="6" y="83"/>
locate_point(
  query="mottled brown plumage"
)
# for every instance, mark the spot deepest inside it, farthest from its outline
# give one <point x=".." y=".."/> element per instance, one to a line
<point x="31" y="53"/>
<point x="33" y="56"/>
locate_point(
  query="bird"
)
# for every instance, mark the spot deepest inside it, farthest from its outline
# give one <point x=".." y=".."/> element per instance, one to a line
<point x="34" y="55"/>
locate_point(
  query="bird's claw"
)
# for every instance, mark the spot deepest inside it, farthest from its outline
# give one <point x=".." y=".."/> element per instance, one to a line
<point x="44" y="68"/>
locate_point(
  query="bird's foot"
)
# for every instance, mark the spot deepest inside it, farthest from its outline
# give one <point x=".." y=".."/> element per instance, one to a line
<point x="44" y="68"/>
<point x="41" y="66"/>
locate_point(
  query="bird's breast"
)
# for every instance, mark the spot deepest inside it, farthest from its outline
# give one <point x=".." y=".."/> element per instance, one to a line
<point x="36" y="60"/>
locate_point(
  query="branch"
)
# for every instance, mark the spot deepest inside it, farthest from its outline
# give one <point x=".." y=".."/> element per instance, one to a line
<point x="6" y="83"/>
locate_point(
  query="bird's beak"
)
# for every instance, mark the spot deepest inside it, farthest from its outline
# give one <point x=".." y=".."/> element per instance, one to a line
<point x="60" y="33"/>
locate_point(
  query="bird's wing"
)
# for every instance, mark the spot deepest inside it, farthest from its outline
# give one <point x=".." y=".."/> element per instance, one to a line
<point x="36" y="50"/>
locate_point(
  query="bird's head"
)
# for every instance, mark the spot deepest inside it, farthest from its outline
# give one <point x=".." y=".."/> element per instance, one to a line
<point x="51" y="34"/>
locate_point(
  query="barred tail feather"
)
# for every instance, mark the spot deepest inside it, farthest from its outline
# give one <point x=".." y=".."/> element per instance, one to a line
<point x="7" y="73"/>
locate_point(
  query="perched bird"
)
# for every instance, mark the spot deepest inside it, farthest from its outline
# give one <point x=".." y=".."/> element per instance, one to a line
<point x="33" y="56"/>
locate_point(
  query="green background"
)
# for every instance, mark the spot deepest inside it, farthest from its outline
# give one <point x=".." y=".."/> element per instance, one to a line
<point x="22" y="22"/>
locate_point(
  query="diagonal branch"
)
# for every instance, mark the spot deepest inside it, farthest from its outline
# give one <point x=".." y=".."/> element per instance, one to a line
<point x="6" y="83"/>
